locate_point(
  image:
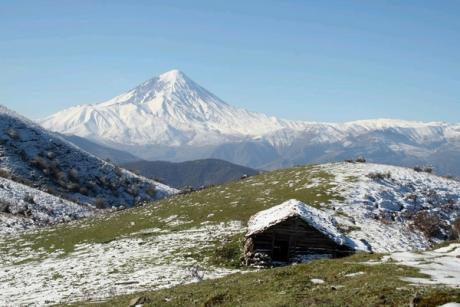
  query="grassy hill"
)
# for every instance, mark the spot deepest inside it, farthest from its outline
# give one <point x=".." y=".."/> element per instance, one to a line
<point x="160" y="245"/>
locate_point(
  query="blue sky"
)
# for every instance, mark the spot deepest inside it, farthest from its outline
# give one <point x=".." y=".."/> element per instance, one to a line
<point x="307" y="60"/>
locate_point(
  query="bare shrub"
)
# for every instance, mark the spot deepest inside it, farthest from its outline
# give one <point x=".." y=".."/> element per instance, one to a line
<point x="84" y="191"/>
<point x="13" y="134"/>
<point x="151" y="191"/>
<point x="428" y="169"/>
<point x="74" y="175"/>
<point x="100" y="203"/>
<point x="28" y="198"/>
<point x="4" y="173"/>
<point x="50" y="155"/>
<point x="425" y="169"/>
<point x="360" y="160"/>
<point x="73" y="187"/>
<point x="196" y="272"/>
<point x="133" y="189"/>
<point x="411" y="197"/>
<point x="40" y="162"/>
<point x="428" y="223"/>
<point x="379" y="175"/>
<point x="455" y="231"/>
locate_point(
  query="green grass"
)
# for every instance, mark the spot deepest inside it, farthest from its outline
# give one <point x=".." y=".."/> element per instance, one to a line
<point x="234" y="201"/>
<point x="291" y="286"/>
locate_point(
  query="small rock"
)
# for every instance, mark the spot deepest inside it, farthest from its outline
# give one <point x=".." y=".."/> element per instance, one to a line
<point x="140" y="300"/>
<point x="317" y="281"/>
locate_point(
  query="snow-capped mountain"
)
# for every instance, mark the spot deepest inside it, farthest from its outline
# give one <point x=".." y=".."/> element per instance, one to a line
<point x="43" y="160"/>
<point x="170" y="117"/>
<point x="169" y="110"/>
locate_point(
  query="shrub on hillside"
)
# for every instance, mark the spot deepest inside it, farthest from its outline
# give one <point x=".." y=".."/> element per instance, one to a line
<point x="360" y="160"/>
<point x="151" y="191"/>
<point x="429" y="224"/>
<point x="29" y="199"/>
<point x="74" y="175"/>
<point x="4" y="173"/>
<point x="100" y="203"/>
<point x="425" y="169"/>
<point x="455" y="231"/>
<point x="13" y="134"/>
<point x="40" y="163"/>
<point x="379" y="175"/>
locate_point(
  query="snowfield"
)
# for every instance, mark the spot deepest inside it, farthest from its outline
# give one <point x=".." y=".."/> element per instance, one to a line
<point x="442" y="265"/>
<point x="97" y="271"/>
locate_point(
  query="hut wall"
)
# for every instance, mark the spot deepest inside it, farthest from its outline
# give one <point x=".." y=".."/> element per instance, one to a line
<point x="298" y="238"/>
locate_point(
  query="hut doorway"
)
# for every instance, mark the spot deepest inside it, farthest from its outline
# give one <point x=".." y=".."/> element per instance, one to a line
<point x="280" y="250"/>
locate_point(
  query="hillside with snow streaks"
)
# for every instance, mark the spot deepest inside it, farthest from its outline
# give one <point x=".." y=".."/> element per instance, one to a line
<point x="170" y="117"/>
<point x="154" y="247"/>
<point x="43" y="160"/>
<point x="23" y="207"/>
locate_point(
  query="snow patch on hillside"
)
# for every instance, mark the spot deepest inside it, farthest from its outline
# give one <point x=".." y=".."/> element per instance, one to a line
<point x="379" y="211"/>
<point x="442" y="265"/>
<point x="22" y="207"/>
<point x="45" y="161"/>
<point x="98" y="271"/>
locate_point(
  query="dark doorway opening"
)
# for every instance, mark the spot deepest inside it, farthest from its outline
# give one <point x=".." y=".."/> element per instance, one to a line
<point x="280" y="251"/>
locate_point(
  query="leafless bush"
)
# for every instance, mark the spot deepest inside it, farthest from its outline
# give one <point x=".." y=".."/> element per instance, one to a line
<point x="74" y="175"/>
<point x="4" y="173"/>
<point x="133" y="189"/>
<point x="13" y="134"/>
<point x="379" y="175"/>
<point x="196" y="272"/>
<point x="28" y="198"/>
<point x="84" y="191"/>
<point x="428" y="223"/>
<point x="50" y="155"/>
<point x="360" y="160"/>
<point x="151" y="190"/>
<point x="118" y="171"/>
<point x="73" y="187"/>
<point x="40" y="162"/>
<point x="455" y="232"/>
<point x="4" y="206"/>
<point x="100" y="203"/>
<point x="411" y="197"/>
<point x="426" y="169"/>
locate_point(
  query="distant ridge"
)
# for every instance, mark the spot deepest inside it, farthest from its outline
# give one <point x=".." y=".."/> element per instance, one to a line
<point x="194" y="174"/>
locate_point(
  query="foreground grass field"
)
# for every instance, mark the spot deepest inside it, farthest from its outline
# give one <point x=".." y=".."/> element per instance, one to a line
<point x="339" y="282"/>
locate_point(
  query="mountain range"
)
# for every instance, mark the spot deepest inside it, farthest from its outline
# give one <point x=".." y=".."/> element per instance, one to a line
<point x="171" y="117"/>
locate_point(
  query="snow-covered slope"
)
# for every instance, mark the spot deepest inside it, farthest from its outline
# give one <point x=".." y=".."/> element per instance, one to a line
<point x="170" y="117"/>
<point x="393" y="208"/>
<point x="23" y="207"/>
<point x="43" y="160"/>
